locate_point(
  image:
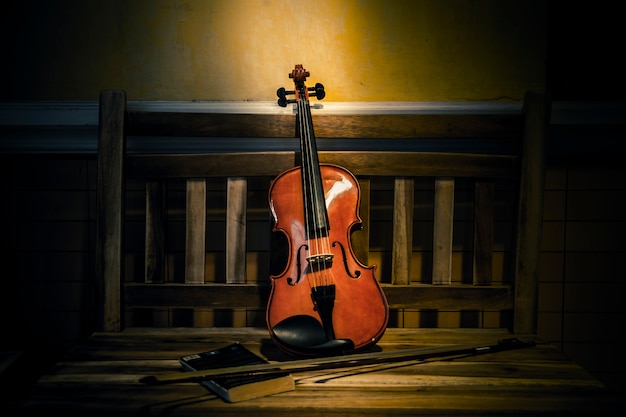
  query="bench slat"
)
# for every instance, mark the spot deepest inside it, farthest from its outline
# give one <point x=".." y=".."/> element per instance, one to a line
<point x="402" y="243"/>
<point x="483" y="232"/>
<point x="236" y="196"/>
<point x="442" y="231"/>
<point x="155" y="232"/>
<point x="195" y="231"/>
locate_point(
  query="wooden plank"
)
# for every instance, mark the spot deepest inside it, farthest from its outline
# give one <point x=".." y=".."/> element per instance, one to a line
<point x="442" y="230"/>
<point x="402" y="243"/>
<point x="236" y="197"/>
<point x="110" y="214"/>
<point x="326" y="125"/>
<point x="362" y="163"/>
<point x="417" y="126"/>
<point x="155" y="232"/>
<point x="484" y="196"/>
<point x="137" y="344"/>
<point x="449" y="297"/>
<point x="104" y="373"/>
<point x="142" y="123"/>
<point x="341" y="362"/>
<point x="252" y="296"/>
<point x="439" y="374"/>
<point x="195" y="230"/>
<point x="255" y="296"/>
<point x="341" y="394"/>
<point x="530" y="213"/>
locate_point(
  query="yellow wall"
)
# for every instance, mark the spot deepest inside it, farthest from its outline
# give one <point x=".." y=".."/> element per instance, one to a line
<point x="362" y="50"/>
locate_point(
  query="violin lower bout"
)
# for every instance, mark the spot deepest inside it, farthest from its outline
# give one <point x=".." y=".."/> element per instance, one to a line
<point x="317" y="271"/>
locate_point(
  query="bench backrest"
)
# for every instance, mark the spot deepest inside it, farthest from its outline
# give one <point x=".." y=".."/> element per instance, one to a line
<point x="185" y="238"/>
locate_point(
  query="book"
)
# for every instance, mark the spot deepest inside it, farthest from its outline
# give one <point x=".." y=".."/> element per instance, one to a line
<point x="237" y="388"/>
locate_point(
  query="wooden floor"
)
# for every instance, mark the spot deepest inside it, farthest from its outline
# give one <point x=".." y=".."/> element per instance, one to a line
<point x="102" y="377"/>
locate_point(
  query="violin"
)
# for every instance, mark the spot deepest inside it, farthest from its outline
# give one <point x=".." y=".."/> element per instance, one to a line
<point x="325" y="301"/>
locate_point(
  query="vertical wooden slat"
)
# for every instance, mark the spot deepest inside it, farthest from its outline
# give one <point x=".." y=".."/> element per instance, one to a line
<point x="484" y="194"/>
<point x="237" y="192"/>
<point x="155" y="232"/>
<point x="195" y="231"/>
<point x="529" y="222"/>
<point x="402" y="244"/>
<point x="442" y="230"/>
<point x="360" y="239"/>
<point x="110" y="200"/>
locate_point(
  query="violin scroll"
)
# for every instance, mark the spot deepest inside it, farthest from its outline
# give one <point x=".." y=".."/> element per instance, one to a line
<point x="299" y="75"/>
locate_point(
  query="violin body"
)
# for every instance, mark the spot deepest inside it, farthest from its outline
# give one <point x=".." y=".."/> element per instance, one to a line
<point x="360" y="311"/>
<point x="324" y="302"/>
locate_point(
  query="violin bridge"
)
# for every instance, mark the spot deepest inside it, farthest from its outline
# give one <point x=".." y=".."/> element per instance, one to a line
<point x="320" y="261"/>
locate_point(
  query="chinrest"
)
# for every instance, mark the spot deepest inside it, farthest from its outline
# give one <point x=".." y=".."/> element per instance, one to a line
<point x="306" y="335"/>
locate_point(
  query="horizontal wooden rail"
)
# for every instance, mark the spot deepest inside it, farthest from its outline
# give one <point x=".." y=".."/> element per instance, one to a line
<point x="255" y="296"/>
<point x="359" y="163"/>
<point x="326" y="126"/>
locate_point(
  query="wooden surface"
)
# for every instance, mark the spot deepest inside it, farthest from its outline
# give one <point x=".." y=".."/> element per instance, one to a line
<point x="101" y="377"/>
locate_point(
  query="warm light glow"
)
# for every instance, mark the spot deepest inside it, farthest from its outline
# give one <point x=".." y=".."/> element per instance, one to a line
<point x="361" y="50"/>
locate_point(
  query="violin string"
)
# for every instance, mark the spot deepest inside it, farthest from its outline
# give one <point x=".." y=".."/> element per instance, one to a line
<point x="313" y="190"/>
<point x="306" y="189"/>
<point x="324" y="227"/>
<point x="316" y="188"/>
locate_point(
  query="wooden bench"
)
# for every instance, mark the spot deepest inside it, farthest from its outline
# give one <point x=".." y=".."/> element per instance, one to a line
<point x="166" y="284"/>
<point x="451" y="233"/>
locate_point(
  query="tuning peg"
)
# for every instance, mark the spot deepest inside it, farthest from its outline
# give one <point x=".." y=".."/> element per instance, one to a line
<point x="282" y="102"/>
<point x="282" y="96"/>
<point x="282" y="93"/>
<point x="320" y="93"/>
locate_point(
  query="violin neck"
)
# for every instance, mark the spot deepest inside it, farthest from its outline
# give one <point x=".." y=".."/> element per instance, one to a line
<point x="316" y="216"/>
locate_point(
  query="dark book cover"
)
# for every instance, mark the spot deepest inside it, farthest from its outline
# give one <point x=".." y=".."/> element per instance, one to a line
<point x="239" y="388"/>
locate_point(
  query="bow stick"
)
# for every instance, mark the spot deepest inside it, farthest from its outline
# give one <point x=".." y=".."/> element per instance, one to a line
<point x="334" y="362"/>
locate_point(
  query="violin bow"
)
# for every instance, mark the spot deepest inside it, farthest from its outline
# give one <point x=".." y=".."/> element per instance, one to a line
<point x="335" y="362"/>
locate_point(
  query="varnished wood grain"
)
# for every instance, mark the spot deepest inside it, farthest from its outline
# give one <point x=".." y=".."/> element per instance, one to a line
<point x="360" y="238"/>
